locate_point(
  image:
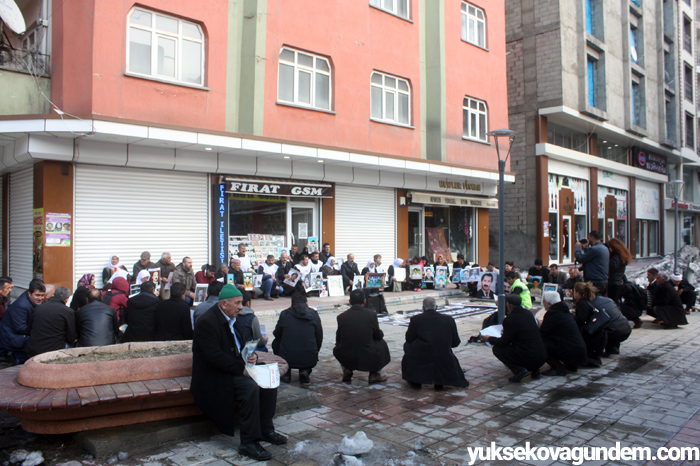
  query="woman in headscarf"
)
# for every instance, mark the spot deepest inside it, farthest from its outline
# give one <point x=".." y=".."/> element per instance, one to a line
<point x="331" y="267"/>
<point x="415" y="285"/>
<point x="87" y="281"/>
<point x="393" y="285"/>
<point x="143" y="276"/>
<point x="113" y="265"/>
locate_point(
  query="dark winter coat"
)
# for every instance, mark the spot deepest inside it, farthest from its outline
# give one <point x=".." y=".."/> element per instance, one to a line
<point x="359" y="342"/>
<point x="562" y="337"/>
<point x="173" y="320"/>
<point x="216" y="361"/>
<point x="97" y="325"/>
<point x="348" y="271"/>
<point x="543" y="272"/>
<point x="51" y="326"/>
<point x="140" y="316"/>
<point x="428" y="356"/>
<point x="186" y="277"/>
<point x="521" y="341"/>
<point x="595" y="343"/>
<point x="619" y="326"/>
<point x="616" y="270"/>
<point x="667" y="305"/>
<point x="595" y="261"/>
<point x="298" y="336"/>
<point x="13" y="327"/>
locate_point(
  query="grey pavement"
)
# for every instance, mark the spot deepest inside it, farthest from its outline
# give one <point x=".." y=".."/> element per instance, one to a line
<point x="648" y="396"/>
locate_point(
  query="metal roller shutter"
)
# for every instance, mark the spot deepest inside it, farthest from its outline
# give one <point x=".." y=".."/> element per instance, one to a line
<point x="21" y="225"/>
<point x="365" y="223"/>
<point x="126" y="211"/>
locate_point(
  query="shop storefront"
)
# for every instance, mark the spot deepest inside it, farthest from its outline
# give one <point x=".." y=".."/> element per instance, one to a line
<point x="270" y="213"/>
<point x="445" y="224"/>
<point x="568" y="210"/>
<point x="648" y="218"/>
<point x="613" y="198"/>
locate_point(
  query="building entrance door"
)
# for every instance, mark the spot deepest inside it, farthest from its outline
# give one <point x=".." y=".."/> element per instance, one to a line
<point x="302" y="223"/>
<point x="415" y="232"/>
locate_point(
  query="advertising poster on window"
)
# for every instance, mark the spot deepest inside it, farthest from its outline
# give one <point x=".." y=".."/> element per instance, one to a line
<point x="38" y="233"/>
<point x="58" y="229"/>
<point x="437" y="243"/>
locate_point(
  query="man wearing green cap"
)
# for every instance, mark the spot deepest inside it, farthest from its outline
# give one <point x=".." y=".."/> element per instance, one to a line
<point x="218" y="379"/>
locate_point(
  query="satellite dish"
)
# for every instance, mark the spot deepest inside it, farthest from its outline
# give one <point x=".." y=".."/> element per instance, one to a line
<point x="12" y="16"/>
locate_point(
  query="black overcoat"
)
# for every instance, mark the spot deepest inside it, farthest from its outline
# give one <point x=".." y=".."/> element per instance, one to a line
<point x="562" y="337"/>
<point x="428" y="356"/>
<point x="359" y="342"/>
<point x="521" y="342"/>
<point x="298" y="336"/>
<point x="216" y="361"/>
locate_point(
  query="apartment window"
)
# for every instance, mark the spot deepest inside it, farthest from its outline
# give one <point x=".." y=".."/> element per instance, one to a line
<point x="689" y="131"/>
<point x="670" y="118"/>
<point x="592" y="81"/>
<point x="474" y="119"/>
<point x="165" y="47"/>
<point x="473" y="25"/>
<point x="304" y="79"/>
<point x="687" y="35"/>
<point x="566" y="137"/>
<point x="594" y="18"/>
<point x="638" y="101"/>
<point x="390" y="99"/>
<point x="633" y="44"/>
<point x="669" y="71"/>
<point x="396" y="7"/>
<point x="688" y="82"/>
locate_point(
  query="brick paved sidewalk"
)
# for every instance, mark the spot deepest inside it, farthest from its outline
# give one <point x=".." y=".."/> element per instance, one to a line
<point x="647" y="396"/>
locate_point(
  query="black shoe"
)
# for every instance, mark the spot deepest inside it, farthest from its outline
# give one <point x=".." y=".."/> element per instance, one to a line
<point x="415" y="386"/>
<point x="553" y="373"/>
<point x="255" y="451"/>
<point x="286" y="378"/>
<point x="274" y="438"/>
<point x="347" y="376"/>
<point x="438" y="387"/>
<point x="638" y="323"/>
<point x="304" y="377"/>
<point x="571" y="367"/>
<point x="520" y="375"/>
<point x="535" y="374"/>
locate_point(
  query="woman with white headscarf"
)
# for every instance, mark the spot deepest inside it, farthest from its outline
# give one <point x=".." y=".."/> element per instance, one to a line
<point x="331" y="267"/>
<point x="113" y="265"/>
<point x="393" y="285"/>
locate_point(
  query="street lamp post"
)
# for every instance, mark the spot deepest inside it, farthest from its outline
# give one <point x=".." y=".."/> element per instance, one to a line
<point x="675" y="188"/>
<point x="501" y="133"/>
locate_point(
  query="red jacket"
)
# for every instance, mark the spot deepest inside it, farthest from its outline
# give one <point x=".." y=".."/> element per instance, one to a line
<point x="120" y="295"/>
<point x="201" y="277"/>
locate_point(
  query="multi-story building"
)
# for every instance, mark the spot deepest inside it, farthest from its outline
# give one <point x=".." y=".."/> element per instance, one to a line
<point x="597" y="91"/>
<point x="183" y="126"/>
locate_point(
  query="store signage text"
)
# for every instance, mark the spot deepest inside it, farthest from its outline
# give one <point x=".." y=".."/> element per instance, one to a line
<point x="461" y="185"/>
<point x="222" y="223"/>
<point x="276" y="189"/>
<point x="652" y="162"/>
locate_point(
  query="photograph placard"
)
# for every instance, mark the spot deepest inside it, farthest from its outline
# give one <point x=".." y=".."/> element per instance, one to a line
<point x="416" y="271"/>
<point x="257" y="280"/>
<point x="375" y="280"/>
<point x="313" y="244"/>
<point x="248" y="281"/>
<point x="486" y="286"/>
<point x="428" y="274"/>
<point x="400" y="274"/>
<point x="335" y="285"/>
<point x="549" y="287"/>
<point x="200" y="293"/>
<point x="294" y="276"/>
<point x="314" y="281"/>
<point x="358" y="282"/>
<point x="456" y="275"/>
<point x="441" y="271"/>
<point x="440" y="282"/>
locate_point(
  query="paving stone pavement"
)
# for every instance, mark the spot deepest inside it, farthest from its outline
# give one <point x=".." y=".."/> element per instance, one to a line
<point x="647" y="396"/>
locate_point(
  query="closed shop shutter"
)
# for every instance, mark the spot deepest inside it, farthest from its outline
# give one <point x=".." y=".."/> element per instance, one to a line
<point x="365" y="224"/>
<point x="21" y="225"/>
<point x="124" y="211"/>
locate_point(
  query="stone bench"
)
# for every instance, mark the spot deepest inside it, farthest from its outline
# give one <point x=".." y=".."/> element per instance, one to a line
<point x="65" y="398"/>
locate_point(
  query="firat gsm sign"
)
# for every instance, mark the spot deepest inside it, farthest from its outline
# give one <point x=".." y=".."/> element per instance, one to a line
<point x="277" y="188"/>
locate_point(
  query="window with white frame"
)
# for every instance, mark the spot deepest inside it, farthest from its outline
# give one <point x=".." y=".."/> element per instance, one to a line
<point x="473" y="25"/>
<point x="396" y="7"/>
<point x="165" y="47"/>
<point x="304" y="79"/>
<point x="474" y="118"/>
<point x="390" y="99"/>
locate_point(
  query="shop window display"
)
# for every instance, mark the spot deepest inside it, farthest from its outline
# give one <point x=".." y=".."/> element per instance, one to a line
<point x="251" y="213"/>
<point x="450" y="231"/>
<point x="565" y="229"/>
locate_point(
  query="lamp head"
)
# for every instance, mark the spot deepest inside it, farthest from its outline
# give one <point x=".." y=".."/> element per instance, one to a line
<point x="675" y="188"/>
<point x="500" y="133"/>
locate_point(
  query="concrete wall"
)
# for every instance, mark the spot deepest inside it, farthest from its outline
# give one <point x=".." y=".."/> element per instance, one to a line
<point x="21" y="94"/>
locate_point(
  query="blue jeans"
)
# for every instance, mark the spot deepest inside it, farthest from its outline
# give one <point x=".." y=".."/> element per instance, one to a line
<point x="268" y="286"/>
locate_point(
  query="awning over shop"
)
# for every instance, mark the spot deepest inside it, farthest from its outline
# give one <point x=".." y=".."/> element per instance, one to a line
<point x="276" y="187"/>
<point x="461" y="201"/>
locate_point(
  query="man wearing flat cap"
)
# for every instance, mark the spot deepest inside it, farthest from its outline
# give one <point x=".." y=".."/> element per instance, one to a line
<point x="144" y="263"/>
<point x="218" y="379"/>
<point x="520" y="347"/>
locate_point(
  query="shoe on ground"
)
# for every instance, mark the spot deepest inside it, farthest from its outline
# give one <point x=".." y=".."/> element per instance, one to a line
<point x="275" y="296"/>
<point x="519" y="376"/>
<point x="286" y="378"/>
<point x="268" y="298"/>
<point x="415" y="386"/>
<point x="571" y="367"/>
<point x="535" y="374"/>
<point x="304" y="377"/>
<point x="638" y="323"/>
<point x="606" y="354"/>
<point x="615" y="351"/>
<point x="274" y="438"/>
<point x="376" y="377"/>
<point x="347" y="375"/>
<point x="254" y="450"/>
<point x="553" y="373"/>
<point x="437" y="386"/>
